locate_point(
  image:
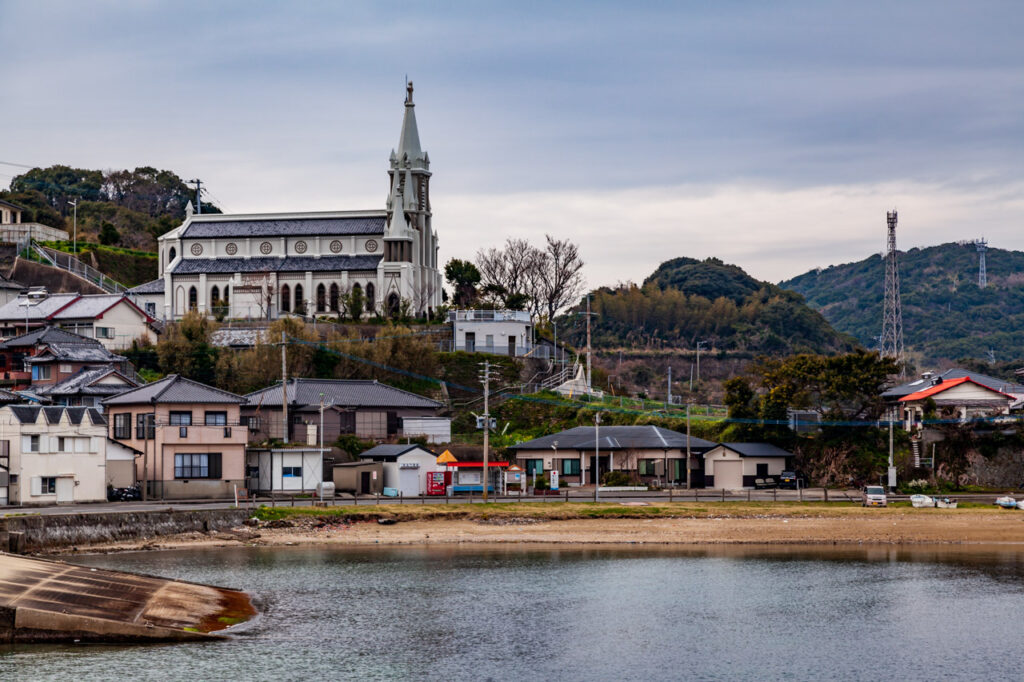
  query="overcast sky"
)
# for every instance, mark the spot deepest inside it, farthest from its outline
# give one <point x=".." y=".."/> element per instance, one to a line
<point x="771" y="135"/>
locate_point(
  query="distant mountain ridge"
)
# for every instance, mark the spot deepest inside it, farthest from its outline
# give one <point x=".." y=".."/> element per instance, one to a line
<point x="686" y="301"/>
<point x="945" y="314"/>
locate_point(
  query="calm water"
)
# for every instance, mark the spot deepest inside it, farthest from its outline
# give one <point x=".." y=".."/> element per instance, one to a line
<point x="594" y="614"/>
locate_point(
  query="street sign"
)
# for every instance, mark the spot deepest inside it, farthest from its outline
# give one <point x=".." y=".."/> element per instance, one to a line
<point x="554" y="479"/>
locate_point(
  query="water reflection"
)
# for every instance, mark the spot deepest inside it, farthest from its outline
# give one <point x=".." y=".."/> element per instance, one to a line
<point x="556" y="612"/>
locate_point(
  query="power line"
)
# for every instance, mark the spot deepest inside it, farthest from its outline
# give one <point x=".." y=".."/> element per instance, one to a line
<point x="19" y="165"/>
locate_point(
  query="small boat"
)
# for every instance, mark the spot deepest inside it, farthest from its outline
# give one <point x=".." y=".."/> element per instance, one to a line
<point x="922" y="501"/>
<point x="1020" y="505"/>
<point x="947" y="503"/>
<point x="1006" y="502"/>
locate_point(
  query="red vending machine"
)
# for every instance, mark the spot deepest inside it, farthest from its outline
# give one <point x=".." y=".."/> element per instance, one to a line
<point x="435" y="483"/>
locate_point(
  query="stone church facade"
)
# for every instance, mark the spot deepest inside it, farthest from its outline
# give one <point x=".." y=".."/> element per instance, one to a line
<point x="264" y="265"/>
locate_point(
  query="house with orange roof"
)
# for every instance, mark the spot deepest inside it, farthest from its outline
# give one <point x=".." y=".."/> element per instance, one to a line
<point x="963" y="397"/>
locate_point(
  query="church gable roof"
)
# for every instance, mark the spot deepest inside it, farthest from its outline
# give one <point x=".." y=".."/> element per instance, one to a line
<point x="286" y="224"/>
<point x="290" y="264"/>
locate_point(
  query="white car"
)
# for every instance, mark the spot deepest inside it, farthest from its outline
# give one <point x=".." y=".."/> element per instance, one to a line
<point x="874" y="496"/>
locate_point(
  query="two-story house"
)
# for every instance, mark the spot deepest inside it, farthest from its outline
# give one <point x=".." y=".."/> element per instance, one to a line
<point x="49" y="356"/>
<point x="188" y="433"/>
<point x="112" y="319"/>
<point x="52" y="454"/>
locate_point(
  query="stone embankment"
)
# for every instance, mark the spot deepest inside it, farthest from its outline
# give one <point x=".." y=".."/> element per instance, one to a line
<point x="41" y="533"/>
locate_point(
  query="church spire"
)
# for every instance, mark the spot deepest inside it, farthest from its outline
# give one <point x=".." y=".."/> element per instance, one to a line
<point x="409" y="142"/>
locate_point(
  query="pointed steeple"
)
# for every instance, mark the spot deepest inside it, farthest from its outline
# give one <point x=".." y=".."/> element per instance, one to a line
<point x="409" y="142"/>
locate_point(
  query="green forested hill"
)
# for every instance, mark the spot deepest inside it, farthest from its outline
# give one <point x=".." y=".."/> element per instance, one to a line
<point x="685" y="301"/>
<point x="945" y="314"/>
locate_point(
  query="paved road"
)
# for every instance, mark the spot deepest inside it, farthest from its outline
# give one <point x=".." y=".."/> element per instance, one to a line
<point x="574" y="495"/>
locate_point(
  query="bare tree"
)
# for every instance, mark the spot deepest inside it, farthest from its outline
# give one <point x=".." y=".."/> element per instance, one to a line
<point x="507" y="268"/>
<point x="423" y="296"/>
<point x="261" y="287"/>
<point x="560" y="275"/>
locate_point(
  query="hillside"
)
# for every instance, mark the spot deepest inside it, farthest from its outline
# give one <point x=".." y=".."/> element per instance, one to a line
<point x="945" y="315"/>
<point x="685" y="301"/>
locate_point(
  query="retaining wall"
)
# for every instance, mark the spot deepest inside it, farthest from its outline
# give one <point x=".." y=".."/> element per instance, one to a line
<point x="37" y="533"/>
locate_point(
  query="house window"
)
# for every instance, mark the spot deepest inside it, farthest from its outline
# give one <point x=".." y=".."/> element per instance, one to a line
<point x="570" y="467"/>
<point x="65" y="369"/>
<point x="40" y="372"/>
<point x="47" y="485"/>
<point x="286" y="298"/>
<point x="534" y="466"/>
<point x="216" y="418"/>
<point x="762" y="470"/>
<point x="181" y="419"/>
<point x="63" y="445"/>
<point x="33" y="443"/>
<point x="334" y="297"/>
<point x="141" y="423"/>
<point x="252" y="422"/>
<point x="106" y="332"/>
<point x="123" y="425"/>
<point x="291" y="472"/>
<point x="193" y="298"/>
<point x="646" y="467"/>
<point x="321" y="298"/>
<point x="151" y="309"/>
<point x="206" y="465"/>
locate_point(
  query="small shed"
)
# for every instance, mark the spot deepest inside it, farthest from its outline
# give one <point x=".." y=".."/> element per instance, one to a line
<point x="360" y="478"/>
<point x="737" y="465"/>
<point x="284" y="469"/>
<point x="405" y="466"/>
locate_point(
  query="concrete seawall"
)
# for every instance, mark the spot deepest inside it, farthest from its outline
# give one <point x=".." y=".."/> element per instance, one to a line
<point x="41" y="533"/>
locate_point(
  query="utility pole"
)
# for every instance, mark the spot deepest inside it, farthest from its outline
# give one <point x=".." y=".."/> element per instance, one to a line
<point x="700" y="344"/>
<point x="597" y="454"/>
<point x="284" y="390"/>
<point x="486" y="378"/>
<point x="199" y="202"/>
<point x="321" y="434"/>
<point x="687" y="472"/>
<point x="588" y="345"/>
<point x="892" y="311"/>
<point x="892" y="469"/>
<point x="669" y="387"/>
<point x="74" y="247"/>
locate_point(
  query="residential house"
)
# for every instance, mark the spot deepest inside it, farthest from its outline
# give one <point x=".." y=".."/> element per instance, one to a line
<point x="188" y="433"/>
<point x="405" y="467"/>
<point x="501" y="332"/>
<point x="112" y="319"/>
<point x="49" y="355"/>
<point x="648" y="453"/>
<point x="52" y="455"/>
<point x="367" y="409"/>
<point x="927" y="379"/>
<point x="87" y="387"/>
<point x="149" y="297"/>
<point x="13" y="229"/>
<point x="962" y="398"/>
<point x="738" y="465"/>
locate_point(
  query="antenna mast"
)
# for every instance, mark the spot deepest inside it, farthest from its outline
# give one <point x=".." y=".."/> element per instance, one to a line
<point x="892" y="314"/>
<point x="981" y="245"/>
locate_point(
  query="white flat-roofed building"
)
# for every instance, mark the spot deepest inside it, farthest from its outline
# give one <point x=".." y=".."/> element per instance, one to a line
<point x="502" y="332"/>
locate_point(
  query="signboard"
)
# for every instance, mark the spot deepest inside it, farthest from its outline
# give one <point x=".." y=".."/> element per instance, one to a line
<point x="892" y="477"/>
<point x="554" y="479"/>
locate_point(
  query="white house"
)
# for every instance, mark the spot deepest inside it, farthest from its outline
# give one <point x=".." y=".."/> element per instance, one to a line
<point x="405" y="467"/>
<point x="963" y="396"/>
<point x="503" y="332"/>
<point x="112" y="319"/>
<point x="737" y="465"/>
<point x="268" y="264"/>
<point x="55" y="454"/>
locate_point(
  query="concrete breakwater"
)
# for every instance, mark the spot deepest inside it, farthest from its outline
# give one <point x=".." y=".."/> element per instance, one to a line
<point x="39" y="533"/>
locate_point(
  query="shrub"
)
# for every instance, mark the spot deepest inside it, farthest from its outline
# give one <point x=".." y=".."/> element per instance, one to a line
<point x="616" y="478"/>
<point x="542" y="483"/>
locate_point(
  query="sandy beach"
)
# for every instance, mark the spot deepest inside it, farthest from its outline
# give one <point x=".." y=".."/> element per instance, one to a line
<point x="664" y="525"/>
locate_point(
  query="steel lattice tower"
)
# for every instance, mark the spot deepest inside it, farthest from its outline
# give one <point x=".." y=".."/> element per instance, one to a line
<point x="982" y="246"/>
<point x="892" y="313"/>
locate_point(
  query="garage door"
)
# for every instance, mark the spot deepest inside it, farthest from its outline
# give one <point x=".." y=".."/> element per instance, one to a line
<point x="728" y="474"/>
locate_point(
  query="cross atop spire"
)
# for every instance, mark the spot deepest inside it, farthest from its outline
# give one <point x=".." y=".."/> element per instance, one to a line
<point x="408" y="89"/>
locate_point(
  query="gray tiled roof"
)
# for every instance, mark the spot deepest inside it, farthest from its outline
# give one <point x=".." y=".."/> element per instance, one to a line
<point x="89" y="307"/>
<point x="340" y="393"/>
<point x="271" y="227"/>
<point x="756" y="450"/>
<point x="616" y="438"/>
<point x="920" y="383"/>
<point x="9" y="396"/>
<point x="174" y="389"/>
<point x="154" y="287"/>
<point x="80" y="383"/>
<point x="390" y="452"/>
<point x="190" y="266"/>
<point x="39" y="311"/>
<point x="75" y="352"/>
<point x="48" y="335"/>
<point x="27" y="414"/>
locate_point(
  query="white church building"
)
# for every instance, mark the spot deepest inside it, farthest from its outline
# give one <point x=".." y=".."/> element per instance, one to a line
<point x="255" y="266"/>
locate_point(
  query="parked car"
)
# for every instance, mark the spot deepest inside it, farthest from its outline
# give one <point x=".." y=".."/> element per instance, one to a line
<point x="874" y="496"/>
<point x="792" y="480"/>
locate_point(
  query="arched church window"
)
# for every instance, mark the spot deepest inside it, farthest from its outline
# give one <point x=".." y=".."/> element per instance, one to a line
<point x="371" y="297"/>
<point x="321" y="298"/>
<point x="226" y="293"/>
<point x="393" y="303"/>
<point x="215" y="295"/>
<point x="193" y="298"/>
<point x="286" y="298"/>
<point x="334" y="297"/>
<point x="300" y="303"/>
<point x="172" y="254"/>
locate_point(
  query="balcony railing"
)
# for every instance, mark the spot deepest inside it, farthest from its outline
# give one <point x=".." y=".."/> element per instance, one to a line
<point x="489" y="316"/>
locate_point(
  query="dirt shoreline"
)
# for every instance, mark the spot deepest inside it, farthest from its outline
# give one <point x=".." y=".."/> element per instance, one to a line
<point x="787" y="527"/>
